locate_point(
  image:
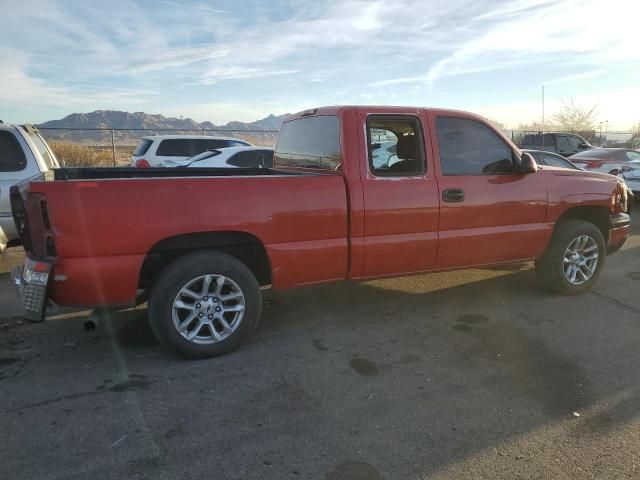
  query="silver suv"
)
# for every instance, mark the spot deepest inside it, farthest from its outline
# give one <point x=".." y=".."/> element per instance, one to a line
<point x="23" y="154"/>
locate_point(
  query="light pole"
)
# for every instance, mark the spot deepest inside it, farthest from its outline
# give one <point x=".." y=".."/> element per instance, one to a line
<point x="600" y="133"/>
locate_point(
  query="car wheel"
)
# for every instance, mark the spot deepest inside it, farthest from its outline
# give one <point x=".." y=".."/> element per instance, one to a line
<point x="204" y="304"/>
<point x="574" y="258"/>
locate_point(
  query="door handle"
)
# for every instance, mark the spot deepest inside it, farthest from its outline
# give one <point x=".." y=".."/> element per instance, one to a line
<point x="453" y="195"/>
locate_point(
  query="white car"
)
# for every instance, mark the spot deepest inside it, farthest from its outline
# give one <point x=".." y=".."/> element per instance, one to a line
<point x="153" y="151"/>
<point x="24" y="154"/>
<point x="630" y="173"/>
<point x="231" y="157"/>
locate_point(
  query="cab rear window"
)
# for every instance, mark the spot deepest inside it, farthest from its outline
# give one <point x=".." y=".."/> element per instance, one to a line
<point x="310" y="142"/>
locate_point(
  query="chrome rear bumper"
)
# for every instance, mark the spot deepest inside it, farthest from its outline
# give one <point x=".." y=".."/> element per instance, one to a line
<point x="30" y="282"/>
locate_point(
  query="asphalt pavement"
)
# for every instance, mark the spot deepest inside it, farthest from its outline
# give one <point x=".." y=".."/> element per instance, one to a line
<point x="478" y="374"/>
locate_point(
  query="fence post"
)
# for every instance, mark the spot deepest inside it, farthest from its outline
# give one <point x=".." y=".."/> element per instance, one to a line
<point x="113" y="148"/>
<point x="203" y="132"/>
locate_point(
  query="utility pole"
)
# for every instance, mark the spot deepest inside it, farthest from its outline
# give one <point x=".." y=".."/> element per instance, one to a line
<point x="542" y="117"/>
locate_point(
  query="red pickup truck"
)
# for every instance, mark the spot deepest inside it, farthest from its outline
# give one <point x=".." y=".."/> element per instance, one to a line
<point x="355" y="193"/>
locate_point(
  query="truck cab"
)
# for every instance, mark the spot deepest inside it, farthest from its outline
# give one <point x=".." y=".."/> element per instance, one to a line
<point x="24" y="154"/>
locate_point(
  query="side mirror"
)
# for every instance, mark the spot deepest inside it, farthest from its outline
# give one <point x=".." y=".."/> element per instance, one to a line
<point x="528" y="164"/>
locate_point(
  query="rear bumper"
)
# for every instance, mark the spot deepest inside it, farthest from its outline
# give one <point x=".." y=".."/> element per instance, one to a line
<point x="619" y="231"/>
<point x="30" y="281"/>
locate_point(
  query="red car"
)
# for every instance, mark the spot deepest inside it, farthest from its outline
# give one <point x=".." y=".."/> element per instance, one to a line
<point x="199" y="243"/>
<point x="605" y="160"/>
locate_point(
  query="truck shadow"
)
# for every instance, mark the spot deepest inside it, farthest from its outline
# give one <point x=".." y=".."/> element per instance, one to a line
<point x="445" y="365"/>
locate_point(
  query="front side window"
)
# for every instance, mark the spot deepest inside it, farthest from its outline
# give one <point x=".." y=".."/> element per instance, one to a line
<point x="574" y="143"/>
<point x="309" y="142"/>
<point x="252" y="159"/>
<point x="395" y="146"/>
<point x="12" y="158"/>
<point x="174" y="147"/>
<point x="563" y="144"/>
<point x="468" y="147"/>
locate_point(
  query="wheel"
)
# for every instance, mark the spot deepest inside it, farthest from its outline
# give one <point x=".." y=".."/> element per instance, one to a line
<point x="574" y="258"/>
<point x="204" y="304"/>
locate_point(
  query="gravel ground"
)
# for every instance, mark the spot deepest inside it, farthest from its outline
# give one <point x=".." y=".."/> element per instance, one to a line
<point x="477" y="374"/>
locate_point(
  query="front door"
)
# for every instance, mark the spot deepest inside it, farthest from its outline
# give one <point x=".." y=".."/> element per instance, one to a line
<point x="400" y="195"/>
<point x="489" y="213"/>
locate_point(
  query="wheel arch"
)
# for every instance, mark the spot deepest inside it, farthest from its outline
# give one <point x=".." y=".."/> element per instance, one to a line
<point x="244" y="246"/>
<point x="596" y="214"/>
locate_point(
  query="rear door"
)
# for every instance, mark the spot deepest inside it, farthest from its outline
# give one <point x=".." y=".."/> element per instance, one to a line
<point x="488" y="213"/>
<point x="400" y="194"/>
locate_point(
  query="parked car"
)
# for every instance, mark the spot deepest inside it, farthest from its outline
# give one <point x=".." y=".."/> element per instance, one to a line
<point x="554" y="160"/>
<point x="551" y="159"/>
<point x="565" y="144"/>
<point x="606" y="160"/>
<point x="630" y="173"/>
<point x="200" y="243"/>
<point x="23" y="154"/>
<point x="154" y="150"/>
<point x="231" y="157"/>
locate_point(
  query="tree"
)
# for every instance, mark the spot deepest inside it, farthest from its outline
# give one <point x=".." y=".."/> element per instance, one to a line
<point x="634" y="141"/>
<point x="575" y="118"/>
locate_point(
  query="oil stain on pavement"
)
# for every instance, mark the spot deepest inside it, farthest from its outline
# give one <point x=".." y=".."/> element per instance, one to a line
<point x="354" y="471"/>
<point x="364" y="367"/>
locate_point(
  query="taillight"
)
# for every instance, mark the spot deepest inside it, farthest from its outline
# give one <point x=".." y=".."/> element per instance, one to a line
<point x="142" y="163"/>
<point x="619" y="199"/>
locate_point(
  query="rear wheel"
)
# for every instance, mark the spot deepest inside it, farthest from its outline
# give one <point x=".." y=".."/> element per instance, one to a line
<point x="574" y="258"/>
<point x="204" y="304"/>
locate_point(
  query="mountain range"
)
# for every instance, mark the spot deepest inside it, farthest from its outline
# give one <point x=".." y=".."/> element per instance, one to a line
<point x="154" y="123"/>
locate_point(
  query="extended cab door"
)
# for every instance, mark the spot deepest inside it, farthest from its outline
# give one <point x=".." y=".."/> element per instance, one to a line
<point x="489" y="213"/>
<point x="400" y="193"/>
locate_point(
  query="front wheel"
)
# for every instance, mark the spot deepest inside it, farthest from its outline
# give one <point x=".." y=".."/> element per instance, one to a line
<point x="574" y="258"/>
<point x="204" y="304"/>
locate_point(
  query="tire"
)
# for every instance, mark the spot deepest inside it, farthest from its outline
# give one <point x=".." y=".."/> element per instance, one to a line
<point x="554" y="273"/>
<point x="210" y="311"/>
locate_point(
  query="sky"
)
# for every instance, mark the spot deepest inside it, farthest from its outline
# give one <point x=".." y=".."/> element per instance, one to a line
<point x="224" y="60"/>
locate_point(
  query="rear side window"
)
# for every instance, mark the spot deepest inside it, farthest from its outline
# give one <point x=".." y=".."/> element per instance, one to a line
<point x="12" y="158"/>
<point x="174" y="147"/>
<point x="468" y="147"/>
<point x="310" y="142"/>
<point x="42" y="149"/>
<point x="395" y="146"/>
<point x="142" y="147"/>
<point x="252" y="159"/>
